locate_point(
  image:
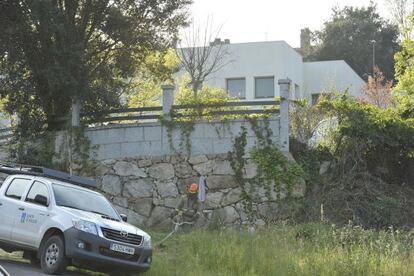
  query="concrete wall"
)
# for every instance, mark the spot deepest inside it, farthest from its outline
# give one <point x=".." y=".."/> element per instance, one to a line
<point x="151" y="139"/>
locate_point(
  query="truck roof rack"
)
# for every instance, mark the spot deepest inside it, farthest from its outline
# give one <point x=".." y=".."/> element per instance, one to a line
<point x="9" y="168"/>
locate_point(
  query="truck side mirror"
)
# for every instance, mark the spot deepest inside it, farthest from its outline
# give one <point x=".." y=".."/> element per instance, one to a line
<point x="41" y="200"/>
<point x="124" y="217"/>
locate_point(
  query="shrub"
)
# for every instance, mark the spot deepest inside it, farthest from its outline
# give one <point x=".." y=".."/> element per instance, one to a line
<point x="370" y="139"/>
<point x="371" y="174"/>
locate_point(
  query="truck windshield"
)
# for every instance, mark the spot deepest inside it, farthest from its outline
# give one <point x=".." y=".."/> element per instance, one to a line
<point x="83" y="200"/>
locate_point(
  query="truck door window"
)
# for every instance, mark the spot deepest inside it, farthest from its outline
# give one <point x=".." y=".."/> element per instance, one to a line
<point x="17" y="188"/>
<point x="38" y="188"/>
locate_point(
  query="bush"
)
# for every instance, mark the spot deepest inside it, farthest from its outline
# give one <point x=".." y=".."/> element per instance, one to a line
<point x="208" y="99"/>
<point x="371" y="176"/>
<point x="304" y="120"/>
<point x="370" y="139"/>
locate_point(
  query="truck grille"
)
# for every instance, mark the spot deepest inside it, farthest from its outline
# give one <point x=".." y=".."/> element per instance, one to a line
<point x="115" y="235"/>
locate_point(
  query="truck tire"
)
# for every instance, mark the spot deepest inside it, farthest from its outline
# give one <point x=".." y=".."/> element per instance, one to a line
<point x="52" y="256"/>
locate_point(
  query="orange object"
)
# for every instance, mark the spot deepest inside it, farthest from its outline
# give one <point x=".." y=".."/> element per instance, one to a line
<point x="193" y="188"/>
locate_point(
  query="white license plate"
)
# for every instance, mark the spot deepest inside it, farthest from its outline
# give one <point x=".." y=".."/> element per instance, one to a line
<point x="122" y="248"/>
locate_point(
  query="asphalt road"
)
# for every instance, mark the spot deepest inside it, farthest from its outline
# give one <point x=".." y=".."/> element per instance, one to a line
<point x="15" y="268"/>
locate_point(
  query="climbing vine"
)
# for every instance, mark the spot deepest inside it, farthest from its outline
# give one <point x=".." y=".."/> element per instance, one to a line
<point x="274" y="168"/>
<point x="193" y="109"/>
<point x="275" y="173"/>
<point x="78" y="150"/>
<point x="32" y="150"/>
<point x="64" y="150"/>
<point x="237" y="162"/>
<point x="184" y="128"/>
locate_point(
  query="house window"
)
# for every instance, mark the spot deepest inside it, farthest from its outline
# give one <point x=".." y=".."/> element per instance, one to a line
<point x="236" y="87"/>
<point x="315" y="98"/>
<point x="264" y="87"/>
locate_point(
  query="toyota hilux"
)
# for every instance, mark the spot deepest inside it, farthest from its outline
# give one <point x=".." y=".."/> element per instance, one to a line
<point x="57" y="221"/>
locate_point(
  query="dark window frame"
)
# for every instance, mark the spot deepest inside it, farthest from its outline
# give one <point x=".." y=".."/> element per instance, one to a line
<point x="255" y="87"/>
<point x="235" y="79"/>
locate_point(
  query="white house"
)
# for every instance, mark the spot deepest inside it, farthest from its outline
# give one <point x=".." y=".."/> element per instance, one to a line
<point x="252" y="70"/>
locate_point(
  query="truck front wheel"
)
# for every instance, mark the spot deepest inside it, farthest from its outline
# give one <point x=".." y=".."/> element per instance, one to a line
<point x="52" y="258"/>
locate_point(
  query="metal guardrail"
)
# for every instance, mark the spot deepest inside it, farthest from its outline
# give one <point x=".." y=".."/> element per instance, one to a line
<point x="231" y="104"/>
<point x="145" y="114"/>
<point x="155" y="113"/>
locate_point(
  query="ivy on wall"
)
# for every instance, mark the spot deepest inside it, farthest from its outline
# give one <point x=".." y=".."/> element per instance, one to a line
<point x="41" y="150"/>
<point x="276" y="174"/>
<point x="199" y="108"/>
<point x="32" y="150"/>
<point x="184" y="128"/>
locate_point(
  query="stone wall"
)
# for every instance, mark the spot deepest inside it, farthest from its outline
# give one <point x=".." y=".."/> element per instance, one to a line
<point x="143" y="169"/>
<point x="148" y="189"/>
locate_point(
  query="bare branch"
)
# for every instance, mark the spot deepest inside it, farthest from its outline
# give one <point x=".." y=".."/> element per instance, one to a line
<point x="203" y="53"/>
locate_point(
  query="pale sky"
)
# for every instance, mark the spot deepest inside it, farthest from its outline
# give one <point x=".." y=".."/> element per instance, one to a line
<point x="261" y="20"/>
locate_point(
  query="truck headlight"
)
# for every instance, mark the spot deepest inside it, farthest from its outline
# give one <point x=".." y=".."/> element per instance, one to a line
<point x="85" y="226"/>
<point x="147" y="241"/>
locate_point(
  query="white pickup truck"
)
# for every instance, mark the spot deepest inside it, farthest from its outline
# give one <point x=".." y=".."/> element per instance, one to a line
<point x="54" y="221"/>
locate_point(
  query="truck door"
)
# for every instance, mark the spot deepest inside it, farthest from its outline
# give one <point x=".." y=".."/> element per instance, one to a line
<point x="10" y="204"/>
<point x="33" y="215"/>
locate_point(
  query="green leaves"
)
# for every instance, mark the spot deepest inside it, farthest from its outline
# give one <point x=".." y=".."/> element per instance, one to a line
<point x="348" y="35"/>
<point x="276" y="171"/>
<point x="369" y="138"/>
<point x="404" y="68"/>
<point x="54" y="51"/>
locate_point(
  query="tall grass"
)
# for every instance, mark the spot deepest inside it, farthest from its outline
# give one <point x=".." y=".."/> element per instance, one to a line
<point x="309" y="249"/>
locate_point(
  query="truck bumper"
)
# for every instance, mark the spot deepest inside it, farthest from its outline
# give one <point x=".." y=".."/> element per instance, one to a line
<point x="93" y="251"/>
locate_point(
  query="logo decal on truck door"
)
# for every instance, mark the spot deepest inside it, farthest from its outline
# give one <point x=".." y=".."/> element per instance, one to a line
<point x="23" y="217"/>
<point x="27" y="218"/>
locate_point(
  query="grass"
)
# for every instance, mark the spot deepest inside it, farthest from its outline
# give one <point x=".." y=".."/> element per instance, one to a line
<point x="287" y="250"/>
<point x="307" y="249"/>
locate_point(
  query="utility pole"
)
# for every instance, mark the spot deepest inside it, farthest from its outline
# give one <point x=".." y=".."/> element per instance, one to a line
<point x="373" y="56"/>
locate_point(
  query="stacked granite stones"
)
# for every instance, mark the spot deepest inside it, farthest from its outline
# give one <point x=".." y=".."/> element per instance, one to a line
<point x="148" y="189"/>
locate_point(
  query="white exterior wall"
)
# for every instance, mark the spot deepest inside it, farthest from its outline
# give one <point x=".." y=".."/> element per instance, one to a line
<point x="327" y="76"/>
<point x="258" y="59"/>
<point x="279" y="60"/>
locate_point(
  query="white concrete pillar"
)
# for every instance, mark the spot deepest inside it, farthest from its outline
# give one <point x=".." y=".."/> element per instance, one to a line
<point x="284" y="85"/>
<point x="76" y="109"/>
<point x="167" y="99"/>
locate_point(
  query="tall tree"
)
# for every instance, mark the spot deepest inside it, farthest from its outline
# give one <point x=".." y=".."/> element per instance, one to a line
<point x="54" y="51"/>
<point x="144" y="88"/>
<point x="404" y="68"/>
<point x="402" y="13"/>
<point x="349" y="35"/>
